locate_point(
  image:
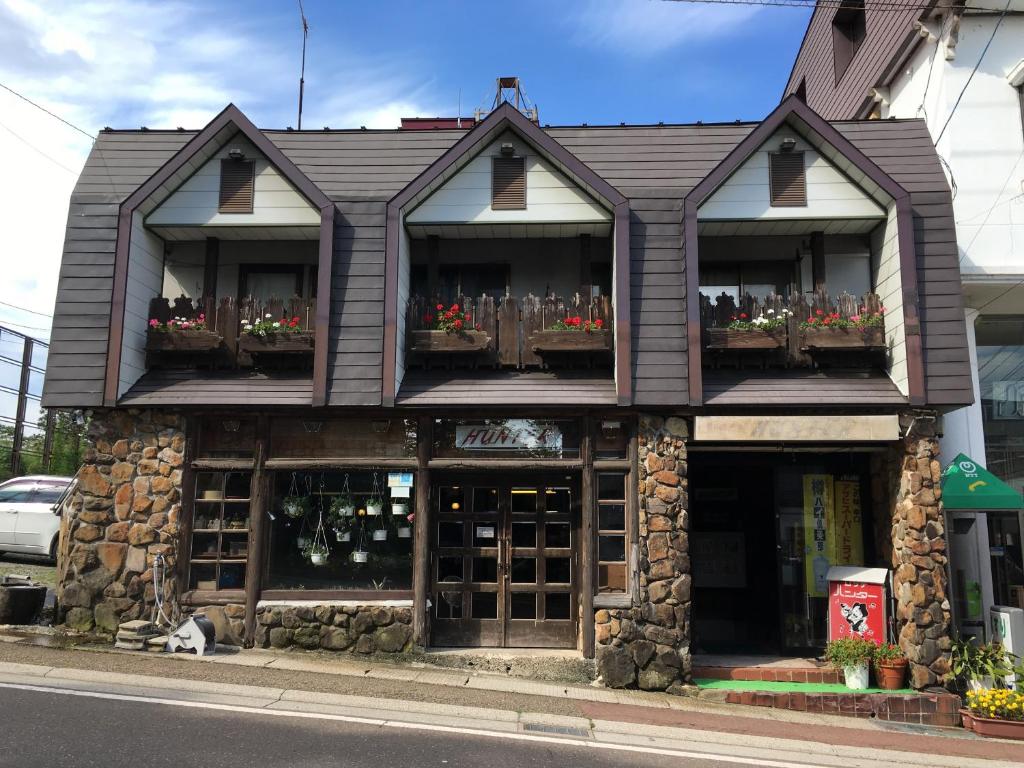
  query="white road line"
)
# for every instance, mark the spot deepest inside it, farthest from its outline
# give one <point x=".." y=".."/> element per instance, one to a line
<point x="590" y="744"/>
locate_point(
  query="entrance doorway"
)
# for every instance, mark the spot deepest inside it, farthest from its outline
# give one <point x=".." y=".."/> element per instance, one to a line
<point x="503" y="565"/>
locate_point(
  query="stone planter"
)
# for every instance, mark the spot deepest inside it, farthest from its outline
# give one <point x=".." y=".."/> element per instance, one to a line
<point x="993" y="727"/>
<point x="439" y="342"/>
<point x="182" y="341"/>
<point x="729" y="338"/>
<point x="871" y="337"/>
<point x="571" y="341"/>
<point x="290" y="343"/>
<point x="891" y="676"/>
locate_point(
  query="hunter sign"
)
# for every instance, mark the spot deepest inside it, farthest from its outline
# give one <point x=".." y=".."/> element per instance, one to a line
<point x="509" y="435"/>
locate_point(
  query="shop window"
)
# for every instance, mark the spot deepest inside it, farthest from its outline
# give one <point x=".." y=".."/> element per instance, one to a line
<point x="611" y="532"/>
<point x="494" y="438"/>
<point x="1000" y="342"/>
<point x="220" y="531"/>
<point x="226" y="437"/>
<point x="340" y="530"/>
<point x="309" y="438"/>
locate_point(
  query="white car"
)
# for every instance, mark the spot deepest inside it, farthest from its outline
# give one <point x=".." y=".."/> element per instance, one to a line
<point x="29" y="522"/>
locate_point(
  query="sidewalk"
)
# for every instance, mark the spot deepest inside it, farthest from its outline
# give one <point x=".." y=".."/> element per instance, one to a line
<point x="470" y="697"/>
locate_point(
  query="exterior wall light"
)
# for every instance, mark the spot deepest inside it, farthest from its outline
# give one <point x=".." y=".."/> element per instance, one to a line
<point x="381" y="426"/>
<point x="232" y="425"/>
<point x="788" y="144"/>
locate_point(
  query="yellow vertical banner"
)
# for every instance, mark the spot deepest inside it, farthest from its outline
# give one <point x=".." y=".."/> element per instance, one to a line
<point x="819" y="510"/>
<point x="845" y="532"/>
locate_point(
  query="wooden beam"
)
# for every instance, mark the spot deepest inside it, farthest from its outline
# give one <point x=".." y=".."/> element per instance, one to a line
<point x="210" y="268"/>
<point x="341" y="463"/>
<point x="586" y="550"/>
<point x="22" y="404"/>
<point x="818" y="276"/>
<point x="188" y="495"/>
<point x="325" y="259"/>
<point x="555" y="465"/>
<point x="433" y="266"/>
<point x="421" y="532"/>
<point x="586" y="275"/>
<point x="258" y="499"/>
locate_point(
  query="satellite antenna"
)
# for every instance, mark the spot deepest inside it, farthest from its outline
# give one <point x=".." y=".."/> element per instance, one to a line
<point x="302" y="72"/>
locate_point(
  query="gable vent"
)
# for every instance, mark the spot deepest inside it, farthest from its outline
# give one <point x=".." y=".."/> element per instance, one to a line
<point x="508" y="183"/>
<point x="236" y="186"/>
<point x="788" y="179"/>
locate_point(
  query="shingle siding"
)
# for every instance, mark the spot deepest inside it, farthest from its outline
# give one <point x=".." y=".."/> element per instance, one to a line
<point x="654" y="167"/>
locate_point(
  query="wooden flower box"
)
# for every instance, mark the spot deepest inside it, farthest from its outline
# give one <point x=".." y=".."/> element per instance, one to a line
<point x="571" y="341"/>
<point x="730" y="338"/>
<point x="870" y="337"/>
<point x="288" y="343"/>
<point x="182" y="341"/>
<point x="439" y="342"/>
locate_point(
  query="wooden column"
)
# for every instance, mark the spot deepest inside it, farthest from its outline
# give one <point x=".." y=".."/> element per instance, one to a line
<point x="19" y="415"/>
<point x="421" y="532"/>
<point x="433" y="266"/>
<point x="586" y="580"/>
<point x="586" y="277"/>
<point x="818" y="260"/>
<point x="210" y="269"/>
<point x="188" y="505"/>
<point x="258" y="499"/>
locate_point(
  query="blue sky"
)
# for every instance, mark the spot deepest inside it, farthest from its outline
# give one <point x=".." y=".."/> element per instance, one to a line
<point x="169" y="63"/>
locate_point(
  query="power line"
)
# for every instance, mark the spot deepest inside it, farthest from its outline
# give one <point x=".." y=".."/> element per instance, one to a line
<point x="37" y="150"/>
<point x="873" y="5"/>
<point x="24" y="309"/>
<point x="44" y="109"/>
<point x="4" y="321"/>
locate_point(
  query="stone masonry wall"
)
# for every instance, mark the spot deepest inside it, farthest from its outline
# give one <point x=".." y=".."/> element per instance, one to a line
<point x="124" y="513"/>
<point x="649" y="646"/>
<point x="358" y="629"/>
<point x="919" y="553"/>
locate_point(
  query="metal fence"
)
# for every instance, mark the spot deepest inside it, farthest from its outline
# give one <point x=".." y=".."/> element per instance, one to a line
<point x="32" y="439"/>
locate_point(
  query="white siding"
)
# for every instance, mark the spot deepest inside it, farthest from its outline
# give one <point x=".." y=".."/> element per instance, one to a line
<point x="184" y="267"/>
<point x="888" y="286"/>
<point x="466" y="197"/>
<point x="404" y="283"/>
<point x="145" y="278"/>
<point x="830" y="194"/>
<point x="275" y="201"/>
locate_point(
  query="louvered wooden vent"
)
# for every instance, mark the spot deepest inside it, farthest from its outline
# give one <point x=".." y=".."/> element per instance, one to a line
<point x="236" y="186"/>
<point x="508" y="183"/>
<point x="788" y="179"/>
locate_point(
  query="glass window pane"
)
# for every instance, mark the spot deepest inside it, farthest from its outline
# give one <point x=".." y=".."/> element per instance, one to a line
<point x="232" y="576"/>
<point x="558" y="570"/>
<point x="523" y="605"/>
<point x="35" y="383"/>
<point x="611" y="548"/>
<point x="10" y="375"/>
<point x="524" y="570"/>
<point x="298" y="437"/>
<point x="524" y="534"/>
<point x="485" y="605"/>
<point x="611" y="517"/>
<point x="611" y="577"/>
<point x="203" y="576"/>
<point x="558" y="499"/>
<point x="451" y="499"/>
<point x="524" y="500"/>
<point x="17" y="493"/>
<point x="1001" y="372"/>
<point x="40" y="352"/>
<point x="485" y="533"/>
<point x="485" y="570"/>
<point x="34" y="413"/>
<point x="556" y="605"/>
<point x="557" y="535"/>
<point x="449" y="569"/>
<point x="485" y="500"/>
<point x="449" y="604"/>
<point x="611" y="486"/>
<point x="449" y="533"/>
<point x="227" y="438"/>
<point x="12" y="346"/>
<point x="611" y="439"/>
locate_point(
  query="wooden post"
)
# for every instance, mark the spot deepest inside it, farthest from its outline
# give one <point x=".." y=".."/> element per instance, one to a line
<point x="818" y="260"/>
<point x="19" y="415"/>
<point x="188" y="506"/>
<point x="210" y="269"/>
<point x="433" y="267"/>
<point x="586" y="580"/>
<point x="258" y="499"/>
<point x="421" y="531"/>
<point x="586" y="277"/>
<point x="51" y="423"/>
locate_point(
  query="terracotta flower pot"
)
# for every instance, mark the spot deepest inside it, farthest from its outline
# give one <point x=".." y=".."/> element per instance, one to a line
<point x="891" y="676"/>
<point x="997" y="728"/>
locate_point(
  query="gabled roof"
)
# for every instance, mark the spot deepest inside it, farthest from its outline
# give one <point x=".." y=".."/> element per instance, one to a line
<point x="506" y="118"/>
<point x="816" y="131"/>
<point x="203" y="146"/>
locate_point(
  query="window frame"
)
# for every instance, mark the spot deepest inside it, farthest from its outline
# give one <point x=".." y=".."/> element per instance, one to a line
<point x="849" y="31"/>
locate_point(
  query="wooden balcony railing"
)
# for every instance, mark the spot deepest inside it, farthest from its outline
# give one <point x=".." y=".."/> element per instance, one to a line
<point x="515" y="333"/>
<point x="792" y="331"/>
<point x="224" y="343"/>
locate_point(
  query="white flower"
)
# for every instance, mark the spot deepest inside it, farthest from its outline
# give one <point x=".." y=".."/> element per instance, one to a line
<point x="771" y="311"/>
<point x="277" y="325"/>
<point x="268" y="316"/>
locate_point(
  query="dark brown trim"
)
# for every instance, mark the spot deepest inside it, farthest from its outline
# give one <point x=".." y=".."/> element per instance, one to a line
<point x="553" y="465"/>
<point x="505" y="117"/>
<point x="693" y="332"/>
<point x="336" y="594"/>
<point x="916" y="393"/>
<point x="231" y="115"/>
<point x="222" y="465"/>
<point x="197" y="597"/>
<point x="210" y="268"/>
<point x="188" y="495"/>
<point x="623" y="310"/>
<point x="259" y="492"/>
<point x="325" y="263"/>
<point x="587" y="538"/>
<point x="314" y="464"/>
<point x="421" y="543"/>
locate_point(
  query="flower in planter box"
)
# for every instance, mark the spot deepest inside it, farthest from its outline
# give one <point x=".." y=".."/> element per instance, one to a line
<point x="451" y="320"/>
<point x="577" y="323"/>
<point x="269" y="325"/>
<point x="197" y="323"/>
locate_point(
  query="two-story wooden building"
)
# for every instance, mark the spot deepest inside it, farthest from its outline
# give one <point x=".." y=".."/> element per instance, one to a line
<point x="628" y="390"/>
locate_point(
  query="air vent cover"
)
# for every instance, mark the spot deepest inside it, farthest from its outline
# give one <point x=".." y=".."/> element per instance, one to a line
<point x="508" y="183"/>
<point x="788" y="179"/>
<point x="236" y="186"/>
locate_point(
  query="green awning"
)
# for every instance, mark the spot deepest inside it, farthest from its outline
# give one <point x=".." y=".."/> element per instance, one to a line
<point x="968" y="485"/>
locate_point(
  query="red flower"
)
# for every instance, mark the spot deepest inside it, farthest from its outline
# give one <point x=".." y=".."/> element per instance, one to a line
<point x="828" y="321"/>
<point x="576" y="321"/>
<point x="293" y="324"/>
<point x="835" y="315"/>
<point x="455" y="307"/>
<point x="440" y="307"/>
<point x="295" y="319"/>
<point x="819" y="312"/>
<point x="478" y="327"/>
<point x="468" y="318"/>
<point x="448" y="315"/>
<point x="458" y="325"/>
<point x="743" y="315"/>
<point x="599" y="323"/>
<point x="732" y="317"/>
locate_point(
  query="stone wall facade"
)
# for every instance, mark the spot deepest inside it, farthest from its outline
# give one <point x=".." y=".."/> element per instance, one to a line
<point x="356" y="629"/>
<point x="919" y="553"/>
<point x="124" y="514"/>
<point x="649" y="645"/>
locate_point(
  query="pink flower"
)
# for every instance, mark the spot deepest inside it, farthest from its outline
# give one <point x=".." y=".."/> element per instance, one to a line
<point x="186" y="325"/>
<point x="855" y="318"/>
<point x="154" y="323"/>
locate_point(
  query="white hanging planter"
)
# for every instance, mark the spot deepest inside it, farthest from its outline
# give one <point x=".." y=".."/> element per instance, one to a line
<point x="302" y="542"/>
<point x="374" y="508"/>
<point x="405" y="532"/>
<point x="343" y="535"/>
<point x="856" y="676"/>
<point x="318" y="558"/>
<point x="399" y="508"/>
<point x="348" y="510"/>
<point x="360" y="556"/>
<point x="381" y="534"/>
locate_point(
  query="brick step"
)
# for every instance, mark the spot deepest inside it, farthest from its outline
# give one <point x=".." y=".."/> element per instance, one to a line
<point x="771" y="674"/>
<point x="925" y="709"/>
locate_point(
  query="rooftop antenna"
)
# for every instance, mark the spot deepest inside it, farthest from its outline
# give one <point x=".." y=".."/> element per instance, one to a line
<point x="302" y="72"/>
<point x="509" y="89"/>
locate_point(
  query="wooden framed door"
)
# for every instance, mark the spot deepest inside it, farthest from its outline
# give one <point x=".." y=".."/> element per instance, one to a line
<point x="504" y="562"/>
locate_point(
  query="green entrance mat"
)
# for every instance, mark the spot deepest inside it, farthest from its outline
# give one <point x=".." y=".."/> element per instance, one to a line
<point x="774" y="687"/>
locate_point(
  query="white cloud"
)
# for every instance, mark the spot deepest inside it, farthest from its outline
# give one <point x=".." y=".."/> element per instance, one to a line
<point x="642" y="28"/>
<point x="161" y="63"/>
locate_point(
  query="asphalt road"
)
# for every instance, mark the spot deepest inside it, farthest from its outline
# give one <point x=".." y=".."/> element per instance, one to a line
<point x="52" y="730"/>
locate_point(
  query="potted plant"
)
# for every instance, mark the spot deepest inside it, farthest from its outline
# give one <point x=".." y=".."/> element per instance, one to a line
<point x="405" y="525"/>
<point x="295" y="506"/>
<point x="449" y="330"/>
<point x="572" y="334"/>
<point x="317" y="553"/>
<point x="181" y="334"/>
<point x="360" y="555"/>
<point x="890" y="666"/>
<point x="278" y="336"/>
<point x="765" y="332"/>
<point x="828" y="330"/>
<point x="995" y="712"/>
<point x="852" y="655"/>
<point x="979" y="666"/>
<point x="343" y="506"/>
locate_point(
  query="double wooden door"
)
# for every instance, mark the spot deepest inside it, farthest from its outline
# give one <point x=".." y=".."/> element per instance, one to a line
<point x="504" y="567"/>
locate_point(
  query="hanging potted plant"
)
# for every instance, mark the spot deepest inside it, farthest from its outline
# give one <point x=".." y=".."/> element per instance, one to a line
<point x="359" y="554"/>
<point x="375" y="504"/>
<point x="890" y="666"/>
<point x="344" y="505"/>
<point x="405" y="525"/>
<point x="852" y="655"/>
<point x="343" y="529"/>
<point x="295" y="505"/>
